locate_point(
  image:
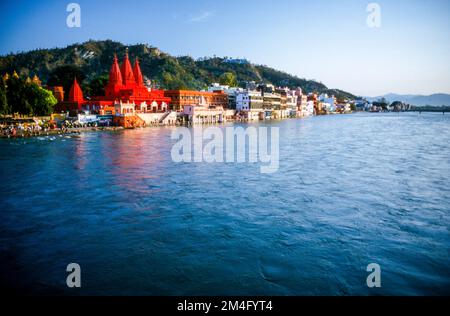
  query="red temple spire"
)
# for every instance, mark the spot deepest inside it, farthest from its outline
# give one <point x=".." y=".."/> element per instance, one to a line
<point x="76" y="94"/>
<point x="115" y="76"/>
<point x="127" y="72"/>
<point x="137" y="73"/>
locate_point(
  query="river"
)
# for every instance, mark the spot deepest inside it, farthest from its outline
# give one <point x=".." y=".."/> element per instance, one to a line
<point x="350" y="190"/>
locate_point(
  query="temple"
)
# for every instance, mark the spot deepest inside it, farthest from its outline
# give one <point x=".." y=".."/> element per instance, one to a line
<point x="125" y="94"/>
<point x="129" y="102"/>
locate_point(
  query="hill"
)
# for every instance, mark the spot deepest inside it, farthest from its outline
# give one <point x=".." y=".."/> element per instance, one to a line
<point x="93" y="59"/>
<point x="438" y="99"/>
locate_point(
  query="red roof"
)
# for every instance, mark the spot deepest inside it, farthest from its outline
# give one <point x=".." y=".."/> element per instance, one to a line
<point x="137" y="73"/>
<point x="115" y="76"/>
<point x="127" y="72"/>
<point x="76" y="94"/>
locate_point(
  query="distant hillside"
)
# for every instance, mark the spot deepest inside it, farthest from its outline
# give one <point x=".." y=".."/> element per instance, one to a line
<point x="94" y="59"/>
<point x="438" y="99"/>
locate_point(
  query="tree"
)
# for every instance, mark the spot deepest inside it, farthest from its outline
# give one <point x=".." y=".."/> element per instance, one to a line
<point x="41" y="100"/>
<point x="171" y="82"/>
<point x="383" y="100"/>
<point x="97" y="85"/>
<point x="17" y="96"/>
<point x="228" y="79"/>
<point x="64" y="76"/>
<point x="4" y="107"/>
<point x="48" y="102"/>
<point x="383" y="103"/>
<point x="27" y="98"/>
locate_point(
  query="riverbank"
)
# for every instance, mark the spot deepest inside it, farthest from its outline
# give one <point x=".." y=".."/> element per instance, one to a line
<point x="58" y="131"/>
<point x="28" y="130"/>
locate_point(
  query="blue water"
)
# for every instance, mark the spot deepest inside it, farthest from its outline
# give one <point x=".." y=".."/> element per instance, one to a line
<point x="351" y="190"/>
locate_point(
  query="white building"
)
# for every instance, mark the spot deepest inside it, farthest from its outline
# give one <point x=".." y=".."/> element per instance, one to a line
<point x="249" y="100"/>
<point x="232" y="93"/>
<point x="325" y="106"/>
<point x="205" y="114"/>
<point x="305" y="108"/>
<point x="329" y="100"/>
<point x="250" y="105"/>
<point x="291" y="103"/>
<point x="200" y="114"/>
<point x="308" y="108"/>
<point x="217" y="87"/>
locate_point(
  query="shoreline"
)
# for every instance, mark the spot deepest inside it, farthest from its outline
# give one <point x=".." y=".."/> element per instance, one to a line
<point x="59" y="131"/>
<point x="79" y="130"/>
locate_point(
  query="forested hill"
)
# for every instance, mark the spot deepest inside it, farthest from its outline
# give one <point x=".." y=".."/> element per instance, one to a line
<point x="93" y="60"/>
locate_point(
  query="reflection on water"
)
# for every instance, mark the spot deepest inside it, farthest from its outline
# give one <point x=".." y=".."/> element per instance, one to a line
<point x="351" y="190"/>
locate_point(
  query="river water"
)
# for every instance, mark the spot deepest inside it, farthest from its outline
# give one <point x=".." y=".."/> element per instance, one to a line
<point x="350" y="190"/>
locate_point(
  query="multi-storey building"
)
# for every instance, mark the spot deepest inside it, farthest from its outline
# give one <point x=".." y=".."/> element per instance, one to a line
<point x="231" y="92"/>
<point x="271" y="101"/>
<point x="312" y="97"/>
<point x="250" y="105"/>
<point x="249" y="100"/>
<point x="181" y="98"/>
<point x="305" y="108"/>
<point x="329" y="102"/>
<point x="288" y="102"/>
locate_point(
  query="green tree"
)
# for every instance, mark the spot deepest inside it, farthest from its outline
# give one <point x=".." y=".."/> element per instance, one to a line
<point x="48" y="102"/>
<point x="167" y="80"/>
<point x="17" y="97"/>
<point x="383" y="103"/>
<point x="41" y="100"/>
<point x="97" y="85"/>
<point x="228" y="79"/>
<point x="172" y="82"/>
<point x="28" y="98"/>
<point x="4" y="107"/>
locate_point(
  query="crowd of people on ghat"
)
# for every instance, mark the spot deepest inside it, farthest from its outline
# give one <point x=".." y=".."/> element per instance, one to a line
<point x="36" y="128"/>
<point x="23" y="129"/>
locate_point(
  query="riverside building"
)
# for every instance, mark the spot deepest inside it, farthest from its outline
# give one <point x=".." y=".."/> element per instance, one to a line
<point x="126" y="97"/>
<point x="250" y="105"/>
<point x="181" y="98"/>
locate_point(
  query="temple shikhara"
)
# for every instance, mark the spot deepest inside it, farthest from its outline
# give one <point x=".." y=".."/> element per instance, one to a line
<point x="126" y="95"/>
<point x="126" y="86"/>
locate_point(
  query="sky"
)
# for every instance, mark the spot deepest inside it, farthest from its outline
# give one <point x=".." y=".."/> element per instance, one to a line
<point x="326" y="40"/>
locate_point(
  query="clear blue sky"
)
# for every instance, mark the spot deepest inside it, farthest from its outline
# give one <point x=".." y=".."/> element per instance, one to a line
<point x="326" y="40"/>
